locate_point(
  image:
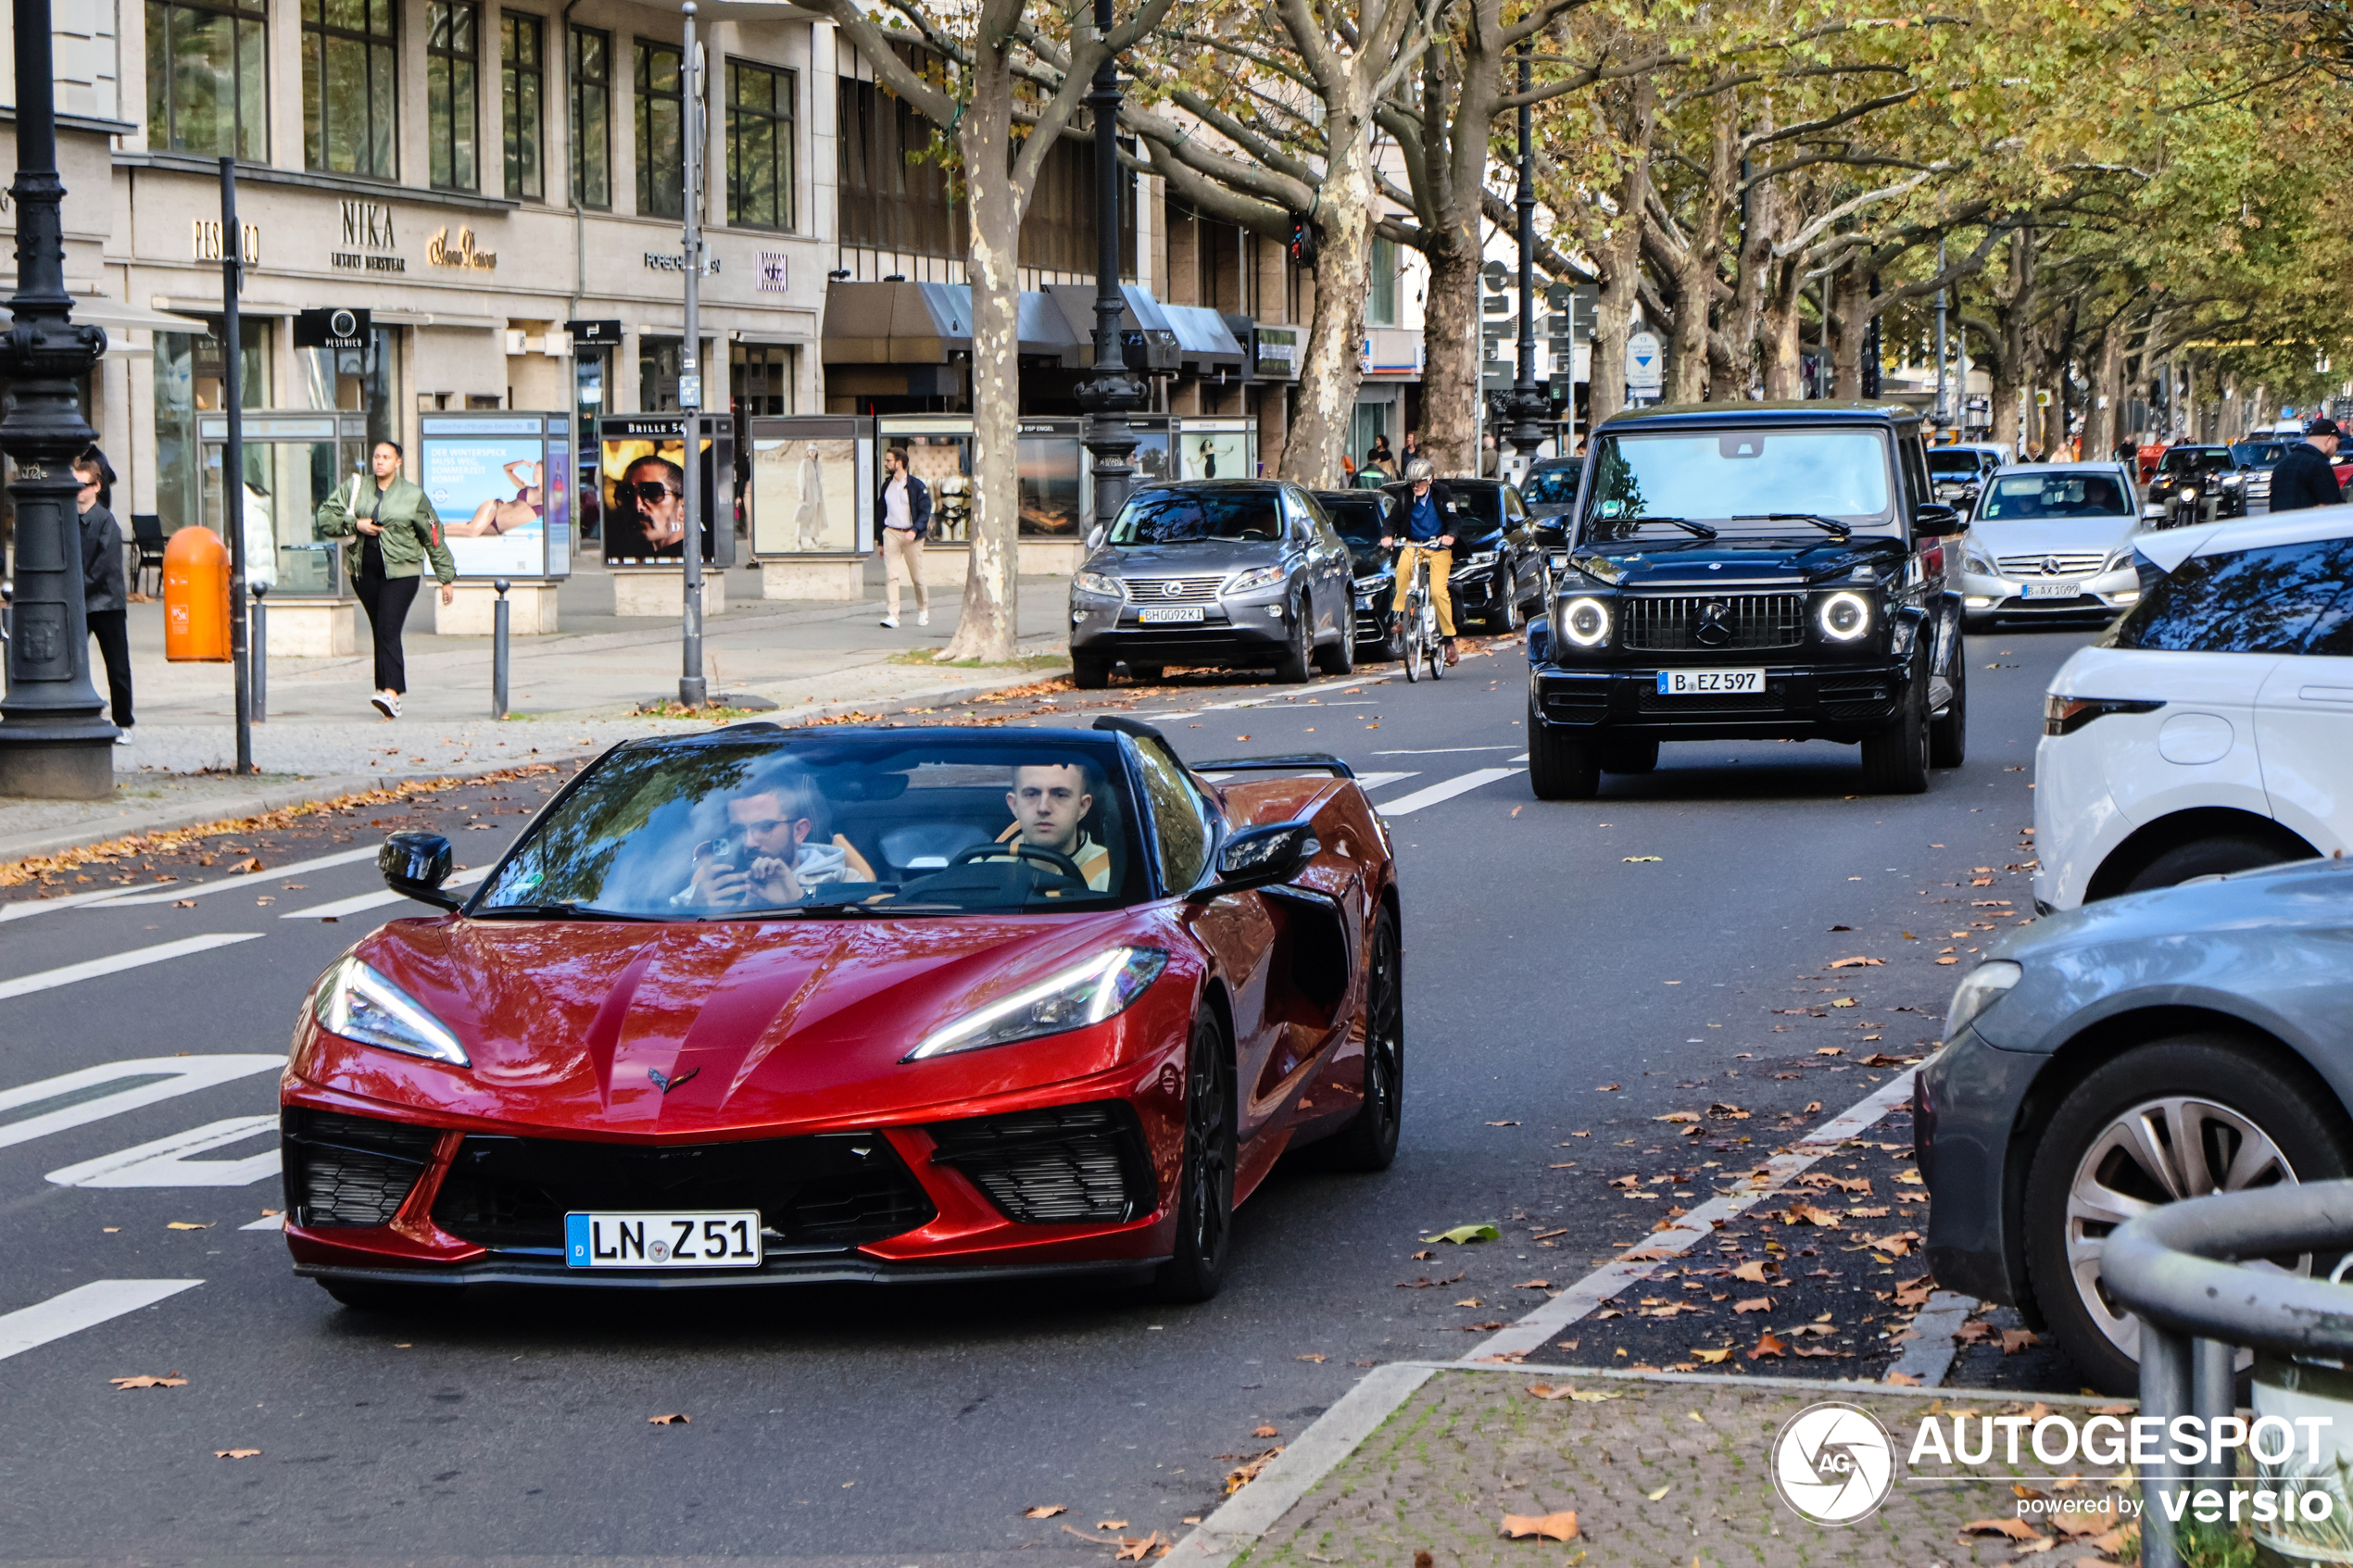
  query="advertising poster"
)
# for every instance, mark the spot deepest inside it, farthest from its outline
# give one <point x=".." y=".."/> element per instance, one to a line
<point x="807" y="487"/>
<point x="942" y="462"/>
<point x="644" y="492"/>
<point x="1216" y="454"/>
<point x="492" y="495"/>
<point x="1049" y="484"/>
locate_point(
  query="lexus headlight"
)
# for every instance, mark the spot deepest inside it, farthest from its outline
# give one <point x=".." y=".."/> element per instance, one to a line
<point x="1846" y="617"/>
<point x="1979" y="989"/>
<point x="1095" y="990"/>
<point x="360" y="1004"/>
<point x="1586" y="622"/>
<point x="1097" y="582"/>
<point x="1259" y="577"/>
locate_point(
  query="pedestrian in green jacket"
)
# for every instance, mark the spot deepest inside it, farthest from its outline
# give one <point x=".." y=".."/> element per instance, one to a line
<point x="391" y="531"/>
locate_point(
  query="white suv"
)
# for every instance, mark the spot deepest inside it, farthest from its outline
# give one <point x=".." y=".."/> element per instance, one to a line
<point x="2211" y="728"/>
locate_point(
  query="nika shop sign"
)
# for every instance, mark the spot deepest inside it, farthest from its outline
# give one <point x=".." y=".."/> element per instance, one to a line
<point x="368" y="240"/>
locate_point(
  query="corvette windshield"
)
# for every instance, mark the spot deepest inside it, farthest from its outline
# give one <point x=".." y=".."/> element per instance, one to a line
<point x="1713" y="476"/>
<point x="753" y="823"/>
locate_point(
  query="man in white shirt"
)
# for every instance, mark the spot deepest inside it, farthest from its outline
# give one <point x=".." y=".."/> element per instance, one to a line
<point x="906" y="518"/>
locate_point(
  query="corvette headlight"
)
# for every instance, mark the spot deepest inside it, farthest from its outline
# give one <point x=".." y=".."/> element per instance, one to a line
<point x="1846" y="617"/>
<point x="1586" y="622"/>
<point x="1258" y="577"/>
<point x="360" y="1004"/>
<point x="1979" y="989"/>
<point x="1095" y="990"/>
<point x="1097" y="582"/>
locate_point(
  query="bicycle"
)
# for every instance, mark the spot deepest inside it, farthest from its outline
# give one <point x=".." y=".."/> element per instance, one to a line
<point x="1417" y="625"/>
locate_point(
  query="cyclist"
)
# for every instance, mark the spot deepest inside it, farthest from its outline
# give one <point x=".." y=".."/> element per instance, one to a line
<point x="1427" y="508"/>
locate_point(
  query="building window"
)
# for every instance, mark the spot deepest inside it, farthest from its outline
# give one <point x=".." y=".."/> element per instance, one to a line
<point x="348" y="87"/>
<point x="453" y="66"/>
<point x="1058" y="231"/>
<point x="522" y="82"/>
<point x="592" y="118"/>
<point x="1380" y="297"/>
<point x="205" y="78"/>
<point x="888" y="202"/>
<point x="660" y="147"/>
<point x="760" y="145"/>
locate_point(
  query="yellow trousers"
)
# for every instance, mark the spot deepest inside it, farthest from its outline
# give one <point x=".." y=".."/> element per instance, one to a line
<point x="1442" y="565"/>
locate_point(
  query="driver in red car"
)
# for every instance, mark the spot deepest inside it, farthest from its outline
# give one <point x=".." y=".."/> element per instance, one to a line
<point x="772" y="852"/>
<point x="1049" y="801"/>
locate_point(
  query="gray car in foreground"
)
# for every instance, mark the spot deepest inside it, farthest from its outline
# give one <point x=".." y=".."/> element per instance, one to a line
<point x="2166" y="1044"/>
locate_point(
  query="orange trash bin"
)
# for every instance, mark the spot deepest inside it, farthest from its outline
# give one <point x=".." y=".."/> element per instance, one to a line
<point x="196" y="597"/>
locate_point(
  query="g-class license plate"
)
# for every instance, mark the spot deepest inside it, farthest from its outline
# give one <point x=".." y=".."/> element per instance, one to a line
<point x="1709" y="682"/>
<point x="1162" y="614"/>
<point x="2067" y="590"/>
<point x="679" y="1240"/>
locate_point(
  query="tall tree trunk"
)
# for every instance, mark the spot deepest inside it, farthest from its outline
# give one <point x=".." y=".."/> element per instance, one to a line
<point x="1618" y="256"/>
<point x="1333" y="366"/>
<point x="1777" y="323"/>
<point x="989" y="626"/>
<point x="1450" y="358"/>
<point x="1850" y="330"/>
<point x="2104" y="421"/>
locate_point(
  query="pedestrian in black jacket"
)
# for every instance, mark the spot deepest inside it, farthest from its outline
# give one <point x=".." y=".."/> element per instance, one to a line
<point x="2305" y="477"/>
<point x="103" y="594"/>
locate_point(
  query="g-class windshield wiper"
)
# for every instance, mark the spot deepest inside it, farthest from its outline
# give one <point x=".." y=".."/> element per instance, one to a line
<point x="557" y="911"/>
<point x="1828" y="524"/>
<point x="1699" y="528"/>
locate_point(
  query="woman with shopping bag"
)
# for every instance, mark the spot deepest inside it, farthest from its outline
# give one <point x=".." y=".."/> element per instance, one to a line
<point x="390" y="531"/>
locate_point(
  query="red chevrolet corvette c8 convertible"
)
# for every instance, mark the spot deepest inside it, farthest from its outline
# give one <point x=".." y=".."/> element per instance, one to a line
<point x="854" y="1004"/>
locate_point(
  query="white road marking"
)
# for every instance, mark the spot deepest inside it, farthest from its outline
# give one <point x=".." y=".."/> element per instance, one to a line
<point x="266" y="1223"/>
<point x="178" y="1075"/>
<point x="70" y="901"/>
<point x="1461" y="785"/>
<point x="1442" y="751"/>
<point x="90" y="970"/>
<point x="342" y="907"/>
<point x="1530" y="1332"/>
<point x="1378" y="781"/>
<point x="250" y="880"/>
<point x="168" y="1162"/>
<point x="85" y="1306"/>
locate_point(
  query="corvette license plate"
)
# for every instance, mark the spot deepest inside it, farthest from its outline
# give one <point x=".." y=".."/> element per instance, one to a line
<point x="1159" y="615"/>
<point x="2066" y="589"/>
<point x="1709" y="682"/>
<point x="679" y="1240"/>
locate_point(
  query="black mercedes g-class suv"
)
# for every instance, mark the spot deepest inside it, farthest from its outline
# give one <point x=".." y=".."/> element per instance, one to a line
<point x="1751" y="571"/>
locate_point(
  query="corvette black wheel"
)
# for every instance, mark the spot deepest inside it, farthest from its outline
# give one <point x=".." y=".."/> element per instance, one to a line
<point x="1205" y="1193"/>
<point x="1369" y="1141"/>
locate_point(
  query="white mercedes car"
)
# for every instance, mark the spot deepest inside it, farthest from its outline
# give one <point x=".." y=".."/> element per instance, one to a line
<point x="2211" y="730"/>
<point x="2051" y="541"/>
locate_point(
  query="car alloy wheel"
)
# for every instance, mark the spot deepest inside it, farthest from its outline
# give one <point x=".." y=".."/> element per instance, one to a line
<point x="1369" y="1141"/>
<point x="1205" y="1185"/>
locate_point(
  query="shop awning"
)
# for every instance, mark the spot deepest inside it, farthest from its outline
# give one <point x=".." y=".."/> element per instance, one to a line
<point x="1203" y="337"/>
<point x="117" y="317"/>
<point x="923" y="323"/>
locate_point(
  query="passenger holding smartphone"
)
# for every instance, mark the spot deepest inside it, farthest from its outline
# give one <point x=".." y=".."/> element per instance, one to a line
<point x="772" y="852"/>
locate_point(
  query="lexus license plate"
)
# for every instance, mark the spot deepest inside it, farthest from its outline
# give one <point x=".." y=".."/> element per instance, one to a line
<point x="1709" y="682"/>
<point x="2064" y="590"/>
<point x="680" y="1239"/>
<point x="1160" y="615"/>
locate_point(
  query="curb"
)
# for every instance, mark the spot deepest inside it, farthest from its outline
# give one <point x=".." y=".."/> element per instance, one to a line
<point x="122" y="824"/>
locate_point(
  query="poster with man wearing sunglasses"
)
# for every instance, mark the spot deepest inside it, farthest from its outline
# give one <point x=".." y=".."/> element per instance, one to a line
<point x="645" y="490"/>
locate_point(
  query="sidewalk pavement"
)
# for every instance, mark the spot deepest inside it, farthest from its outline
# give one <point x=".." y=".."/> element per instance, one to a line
<point x="1662" y="1470"/>
<point x="570" y="694"/>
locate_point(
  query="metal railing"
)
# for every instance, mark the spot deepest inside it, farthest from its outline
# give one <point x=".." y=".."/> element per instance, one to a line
<point x="2175" y="1267"/>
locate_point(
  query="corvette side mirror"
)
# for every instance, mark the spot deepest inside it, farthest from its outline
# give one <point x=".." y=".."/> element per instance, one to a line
<point x="415" y="865"/>
<point x="1257" y="857"/>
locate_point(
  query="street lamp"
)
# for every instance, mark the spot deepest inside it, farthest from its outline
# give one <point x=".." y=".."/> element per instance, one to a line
<point x="55" y="740"/>
<point x="1526" y="409"/>
<point x="1113" y="392"/>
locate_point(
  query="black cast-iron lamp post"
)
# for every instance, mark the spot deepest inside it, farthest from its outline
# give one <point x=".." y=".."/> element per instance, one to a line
<point x="1113" y="392"/>
<point x="55" y="740"/>
<point x="1526" y="409"/>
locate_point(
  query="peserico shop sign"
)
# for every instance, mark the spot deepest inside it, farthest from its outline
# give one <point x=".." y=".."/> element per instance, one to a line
<point x="205" y="243"/>
<point x="333" y="327"/>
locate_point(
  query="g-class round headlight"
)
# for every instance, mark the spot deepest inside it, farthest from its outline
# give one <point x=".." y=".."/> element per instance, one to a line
<point x="1586" y="622"/>
<point x="1846" y="617"/>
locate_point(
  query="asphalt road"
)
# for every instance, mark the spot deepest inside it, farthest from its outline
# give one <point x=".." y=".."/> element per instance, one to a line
<point x="1576" y="972"/>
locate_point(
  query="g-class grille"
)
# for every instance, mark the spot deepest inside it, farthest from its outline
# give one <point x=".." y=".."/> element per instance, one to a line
<point x="832" y="1189"/>
<point x="1691" y="624"/>
<point x="1065" y="1165"/>
<point x="349" y="1170"/>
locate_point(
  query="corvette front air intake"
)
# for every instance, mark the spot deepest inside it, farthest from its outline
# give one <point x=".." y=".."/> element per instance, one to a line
<point x="349" y="1170"/>
<point x="1071" y="1164"/>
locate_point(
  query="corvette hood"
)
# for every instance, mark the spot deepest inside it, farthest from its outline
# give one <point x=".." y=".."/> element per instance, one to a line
<point x="1734" y="560"/>
<point x="750" y="1024"/>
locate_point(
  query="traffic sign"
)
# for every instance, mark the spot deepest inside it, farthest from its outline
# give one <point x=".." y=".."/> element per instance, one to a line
<point x="1645" y="366"/>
